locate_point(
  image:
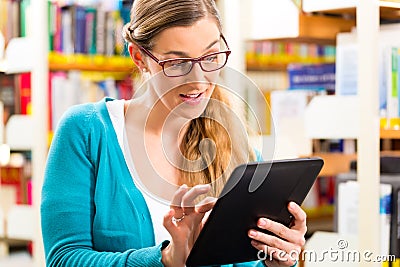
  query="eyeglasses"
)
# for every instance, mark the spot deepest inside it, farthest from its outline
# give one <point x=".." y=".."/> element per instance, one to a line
<point x="177" y="67"/>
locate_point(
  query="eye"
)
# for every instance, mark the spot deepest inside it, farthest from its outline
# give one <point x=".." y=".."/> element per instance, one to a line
<point x="177" y="63"/>
<point x="212" y="58"/>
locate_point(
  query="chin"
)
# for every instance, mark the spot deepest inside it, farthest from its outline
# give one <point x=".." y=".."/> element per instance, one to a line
<point x="190" y="111"/>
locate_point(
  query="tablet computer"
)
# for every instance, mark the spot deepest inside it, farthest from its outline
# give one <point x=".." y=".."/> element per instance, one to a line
<point x="254" y="190"/>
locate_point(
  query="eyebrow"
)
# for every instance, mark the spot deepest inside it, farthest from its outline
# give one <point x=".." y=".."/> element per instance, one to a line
<point x="183" y="54"/>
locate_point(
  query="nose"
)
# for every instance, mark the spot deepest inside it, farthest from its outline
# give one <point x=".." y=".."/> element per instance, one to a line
<point x="196" y="74"/>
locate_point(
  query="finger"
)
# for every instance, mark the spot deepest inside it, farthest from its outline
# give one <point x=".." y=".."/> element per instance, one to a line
<point x="206" y="204"/>
<point x="291" y="235"/>
<point x="287" y="259"/>
<point x="274" y="242"/>
<point x="188" y="199"/>
<point x="300" y="217"/>
<point x="274" y="227"/>
<point x="167" y="222"/>
<point x="177" y="200"/>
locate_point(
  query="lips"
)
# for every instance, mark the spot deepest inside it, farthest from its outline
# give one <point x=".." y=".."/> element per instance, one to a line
<point x="191" y="98"/>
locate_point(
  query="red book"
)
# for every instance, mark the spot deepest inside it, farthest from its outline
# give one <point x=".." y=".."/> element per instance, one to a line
<point x="14" y="176"/>
<point x="25" y="93"/>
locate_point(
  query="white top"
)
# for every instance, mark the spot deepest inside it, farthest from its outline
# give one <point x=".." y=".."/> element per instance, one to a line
<point x="157" y="209"/>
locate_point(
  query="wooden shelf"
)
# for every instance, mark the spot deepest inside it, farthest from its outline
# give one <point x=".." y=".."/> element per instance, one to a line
<point x="389" y="10"/>
<point x="60" y="62"/>
<point x="389" y="134"/>
<point x="335" y="163"/>
<point x="318" y="29"/>
<point x="269" y="67"/>
<point x="278" y="67"/>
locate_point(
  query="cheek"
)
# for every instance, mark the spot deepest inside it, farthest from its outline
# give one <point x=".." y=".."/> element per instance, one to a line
<point x="210" y="90"/>
<point x="165" y="86"/>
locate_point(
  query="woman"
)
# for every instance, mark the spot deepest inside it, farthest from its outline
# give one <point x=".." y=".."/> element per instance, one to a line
<point x="107" y="175"/>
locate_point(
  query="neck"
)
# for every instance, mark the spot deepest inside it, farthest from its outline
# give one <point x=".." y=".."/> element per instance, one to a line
<point x="161" y="121"/>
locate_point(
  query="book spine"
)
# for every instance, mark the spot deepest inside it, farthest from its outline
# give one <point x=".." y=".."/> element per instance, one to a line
<point x="397" y="77"/>
<point x="312" y="77"/>
<point x="385" y="211"/>
<point x="24" y="5"/>
<point x="67" y="38"/>
<point x="51" y="24"/>
<point x="91" y="31"/>
<point x="80" y="29"/>
<point x="58" y="29"/>
<point x="25" y="93"/>
<point x="101" y="31"/>
<point x="109" y="37"/>
<point x="391" y="83"/>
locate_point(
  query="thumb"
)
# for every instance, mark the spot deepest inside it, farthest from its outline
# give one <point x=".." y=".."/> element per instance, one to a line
<point x="167" y="222"/>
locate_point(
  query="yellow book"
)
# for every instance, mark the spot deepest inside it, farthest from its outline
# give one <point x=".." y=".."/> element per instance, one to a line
<point x="396" y="263"/>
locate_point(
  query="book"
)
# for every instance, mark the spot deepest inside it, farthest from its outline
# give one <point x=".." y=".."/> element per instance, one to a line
<point x="25" y="93"/>
<point x="14" y="176"/>
<point x="67" y="44"/>
<point x="101" y="31"/>
<point x="348" y="212"/>
<point x="312" y="77"/>
<point x="79" y="30"/>
<point x="385" y="213"/>
<point x="24" y="16"/>
<point x="398" y="79"/>
<point x="90" y="40"/>
<point x="392" y="110"/>
<point x="8" y="95"/>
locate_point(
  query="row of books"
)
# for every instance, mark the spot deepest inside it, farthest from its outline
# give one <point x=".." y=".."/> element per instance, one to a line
<point x="388" y="72"/>
<point x="14" y="94"/>
<point x="17" y="176"/>
<point x="89" y="29"/>
<point x="389" y="200"/>
<point x="389" y="76"/>
<point x="266" y="53"/>
<point x="321" y="198"/>
<point x="13" y="18"/>
<point x="74" y="87"/>
<point x="65" y="89"/>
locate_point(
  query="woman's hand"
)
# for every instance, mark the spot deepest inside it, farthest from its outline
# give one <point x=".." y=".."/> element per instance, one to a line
<point x="184" y="222"/>
<point x="284" y="249"/>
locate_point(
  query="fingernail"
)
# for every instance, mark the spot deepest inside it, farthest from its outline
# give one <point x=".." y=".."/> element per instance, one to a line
<point x="292" y="205"/>
<point x="252" y="233"/>
<point x="262" y="222"/>
<point x="206" y="186"/>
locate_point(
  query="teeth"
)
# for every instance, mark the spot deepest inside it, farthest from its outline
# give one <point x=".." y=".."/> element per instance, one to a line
<point x="192" y="96"/>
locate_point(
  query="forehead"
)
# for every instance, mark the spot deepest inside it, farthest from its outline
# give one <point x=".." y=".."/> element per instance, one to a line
<point x="189" y="39"/>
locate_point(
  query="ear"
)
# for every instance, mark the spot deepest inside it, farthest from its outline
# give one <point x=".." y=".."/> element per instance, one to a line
<point x="136" y="55"/>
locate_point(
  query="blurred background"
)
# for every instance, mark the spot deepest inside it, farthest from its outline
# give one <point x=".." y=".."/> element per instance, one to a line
<point x="329" y="72"/>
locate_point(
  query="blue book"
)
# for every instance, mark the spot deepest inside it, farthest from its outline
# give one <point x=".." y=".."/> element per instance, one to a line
<point x="312" y="77"/>
<point x="80" y="29"/>
<point x="398" y="77"/>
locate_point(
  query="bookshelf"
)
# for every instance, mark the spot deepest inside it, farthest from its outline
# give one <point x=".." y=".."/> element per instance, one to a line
<point x="363" y="124"/>
<point x="388" y="9"/>
<point x="389" y="134"/>
<point x="62" y="62"/>
<point x="49" y="58"/>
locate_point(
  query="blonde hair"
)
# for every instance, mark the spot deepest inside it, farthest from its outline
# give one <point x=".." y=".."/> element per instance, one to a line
<point x="228" y="147"/>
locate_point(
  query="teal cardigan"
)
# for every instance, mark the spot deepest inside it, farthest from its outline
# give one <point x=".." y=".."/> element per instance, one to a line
<point x="92" y="214"/>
